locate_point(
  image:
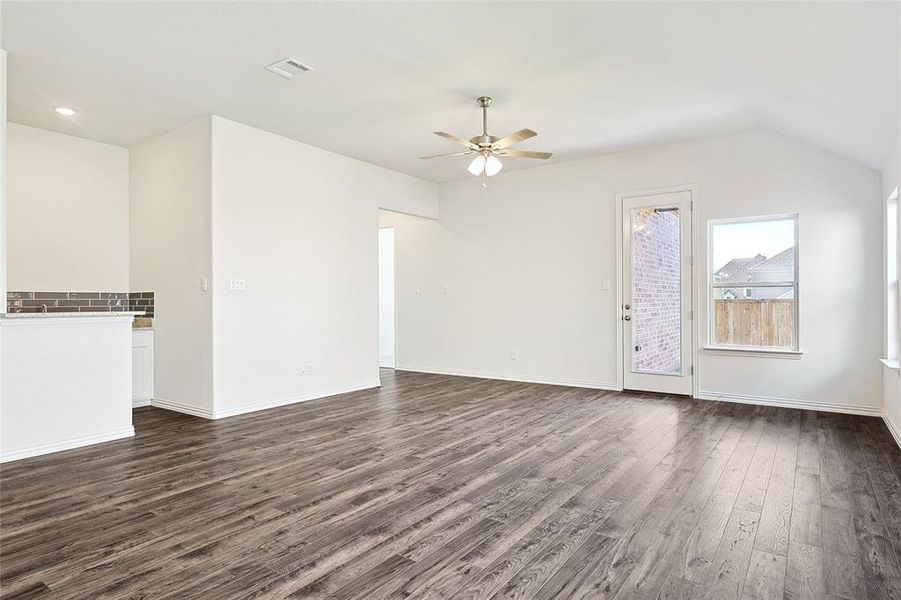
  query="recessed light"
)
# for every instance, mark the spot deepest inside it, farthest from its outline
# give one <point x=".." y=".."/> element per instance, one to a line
<point x="68" y="112"/>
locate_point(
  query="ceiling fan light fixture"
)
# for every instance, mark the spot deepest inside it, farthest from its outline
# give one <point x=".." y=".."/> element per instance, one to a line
<point x="488" y="147"/>
<point x="477" y="165"/>
<point x="493" y="166"/>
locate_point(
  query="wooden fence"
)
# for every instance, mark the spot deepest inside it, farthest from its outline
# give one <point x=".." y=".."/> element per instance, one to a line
<point x="755" y="322"/>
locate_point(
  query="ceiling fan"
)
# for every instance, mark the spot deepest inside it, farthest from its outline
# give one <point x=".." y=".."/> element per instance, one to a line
<point x="488" y="147"/>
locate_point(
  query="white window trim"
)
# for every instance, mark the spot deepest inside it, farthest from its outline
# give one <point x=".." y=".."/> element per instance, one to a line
<point x="891" y="363"/>
<point x="763" y="351"/>
<point x="775" y="352"/>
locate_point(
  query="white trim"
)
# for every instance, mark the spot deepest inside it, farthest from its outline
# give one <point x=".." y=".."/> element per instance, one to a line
<point x="88" y="440"/>
<point x="890" y="363"/>
<point x="194" y="411"/>
<point x="139" y="402"/>
<point x="752" y="351"/>
<point x="849" y="409"/>
<point x="593" y="385"/>
<point x="893" y="429"/>
<point x="887" y="310"/>
<point x="276" y="402"/>
<point x="393" y="355"/>
<point x="213" y="414"/>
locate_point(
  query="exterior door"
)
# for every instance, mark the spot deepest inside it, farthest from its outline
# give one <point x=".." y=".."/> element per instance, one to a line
<point x="656" y="309"/>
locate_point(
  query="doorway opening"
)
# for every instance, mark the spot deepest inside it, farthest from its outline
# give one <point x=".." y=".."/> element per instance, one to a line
<point x="386" y="298"/>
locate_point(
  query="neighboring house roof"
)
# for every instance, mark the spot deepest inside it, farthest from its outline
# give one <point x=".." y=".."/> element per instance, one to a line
<point x="787" y="295"/>
<point x="736" y="270"/>
<point x="784" y="261"/>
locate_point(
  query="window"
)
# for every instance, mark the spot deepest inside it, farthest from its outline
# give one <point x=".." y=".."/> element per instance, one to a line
<point x="891" y="276"/>
<point x="754" y="283"/>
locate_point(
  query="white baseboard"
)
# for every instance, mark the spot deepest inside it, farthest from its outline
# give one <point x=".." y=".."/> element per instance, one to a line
<point x="893" y="428"/>
<point x="88" y="440"/>
<point x="850" y="409"/>
<point x="276" y="402"/>
<point x="594" y="385"/>
<point x="139" y="402"/>
<point x="194" y="411"/>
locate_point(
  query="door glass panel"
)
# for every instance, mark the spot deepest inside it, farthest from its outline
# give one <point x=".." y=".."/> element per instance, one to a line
<point x="656" y="291"/>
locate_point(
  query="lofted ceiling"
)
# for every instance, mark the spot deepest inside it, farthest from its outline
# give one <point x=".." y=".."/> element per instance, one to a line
<point x="589" y="77"/>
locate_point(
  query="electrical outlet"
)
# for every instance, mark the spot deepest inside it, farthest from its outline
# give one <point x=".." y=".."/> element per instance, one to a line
<point x="309" y="368"/>
<point x="237" y="285"/>
<point x="446" y="289"/>
<point x="418" y="290"/>
<point x="514" y="355"/>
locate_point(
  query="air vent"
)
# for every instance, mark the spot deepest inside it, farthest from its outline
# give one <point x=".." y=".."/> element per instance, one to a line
<point x="288" y="68"/>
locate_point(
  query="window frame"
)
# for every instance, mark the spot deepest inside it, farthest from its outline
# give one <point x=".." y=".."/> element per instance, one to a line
<point x="795" y="284"/>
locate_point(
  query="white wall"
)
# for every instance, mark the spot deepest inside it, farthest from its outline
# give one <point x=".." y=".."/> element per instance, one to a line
<point x="526" y="259"/>
<point x="67" y="209"/>
<point x="299" y="225"/>
<point x="891" y="378"/>
<point x="386" y="296"/>
<point x="171" y="245"/>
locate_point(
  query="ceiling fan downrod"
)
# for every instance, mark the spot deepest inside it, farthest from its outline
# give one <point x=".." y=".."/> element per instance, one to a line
<point x="484" y="141"/>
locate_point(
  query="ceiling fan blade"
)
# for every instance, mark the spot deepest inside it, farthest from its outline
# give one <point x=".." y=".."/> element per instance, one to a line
<point x="446" y="155"/>
<point x="525" y="154"/>
<point x="453" y="138"/>
<point x="522" y="134"/>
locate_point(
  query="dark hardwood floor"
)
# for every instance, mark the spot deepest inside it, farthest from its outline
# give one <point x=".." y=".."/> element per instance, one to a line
<point x="454" y="488"/>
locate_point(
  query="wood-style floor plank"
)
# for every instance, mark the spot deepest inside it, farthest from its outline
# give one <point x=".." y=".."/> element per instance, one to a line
<point x="766" y="577"/>
<point x="451" y="488"/>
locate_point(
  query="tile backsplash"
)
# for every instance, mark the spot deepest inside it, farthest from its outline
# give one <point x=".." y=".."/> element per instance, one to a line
<point x="141" y="301"/>
<point x="18" y="302"/>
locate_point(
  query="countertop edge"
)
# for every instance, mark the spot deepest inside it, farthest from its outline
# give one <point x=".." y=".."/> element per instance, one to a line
<point x="22" y="318"/>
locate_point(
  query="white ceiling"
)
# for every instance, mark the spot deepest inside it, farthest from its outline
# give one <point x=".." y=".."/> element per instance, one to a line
<point x="589" y="77"/>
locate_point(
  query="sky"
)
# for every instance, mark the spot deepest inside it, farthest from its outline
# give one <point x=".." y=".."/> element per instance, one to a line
<point x="743" y="240"/>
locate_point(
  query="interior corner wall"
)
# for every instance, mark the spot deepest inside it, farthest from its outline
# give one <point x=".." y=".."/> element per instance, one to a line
<point x="299" y="226"/>
<point x="68" y="202"/>
<point x="171" y="252"/>
<point x="526" y="259"/>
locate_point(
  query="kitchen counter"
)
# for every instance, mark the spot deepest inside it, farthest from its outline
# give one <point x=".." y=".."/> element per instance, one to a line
<point x="67" y="381"/>
<point x="61" y="315"/>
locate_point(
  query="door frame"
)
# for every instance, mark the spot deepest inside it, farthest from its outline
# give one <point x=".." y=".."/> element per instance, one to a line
<point x="394" y="292"/>
<point x="694" y="262"/>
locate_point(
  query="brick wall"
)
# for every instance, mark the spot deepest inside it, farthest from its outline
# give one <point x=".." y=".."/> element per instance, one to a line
<point x="656" y="291"/>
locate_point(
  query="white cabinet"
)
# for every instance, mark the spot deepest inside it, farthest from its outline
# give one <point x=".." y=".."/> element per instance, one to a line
<point x="142" y="367"/>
